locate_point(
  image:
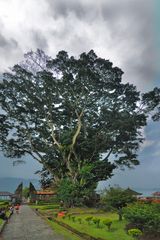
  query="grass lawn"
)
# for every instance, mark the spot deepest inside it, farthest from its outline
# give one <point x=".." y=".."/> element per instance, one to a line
<point x="45" y="207"/>
<point x="62" y="231"/>
<point x="4" y="204"/>
<point x="117" y="231"/>
<point x="1" y="221"/>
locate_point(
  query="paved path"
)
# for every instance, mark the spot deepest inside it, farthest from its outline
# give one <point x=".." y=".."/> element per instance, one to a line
<point x="28" y="226"/>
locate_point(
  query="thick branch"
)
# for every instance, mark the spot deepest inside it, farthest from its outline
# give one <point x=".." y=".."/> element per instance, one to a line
<point x="50" y="124"/>
<point x="79" y="125"/>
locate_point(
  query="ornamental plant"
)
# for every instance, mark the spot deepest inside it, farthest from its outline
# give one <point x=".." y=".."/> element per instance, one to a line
<point x="96" y="222"/>
<point x="135" y="233"/>
<point x="89" y="219"/>
<point x="108" y="222"/>
<point x="73" y="218"/>
<point x="69" y="216"/>
<point x="80" y="220"/>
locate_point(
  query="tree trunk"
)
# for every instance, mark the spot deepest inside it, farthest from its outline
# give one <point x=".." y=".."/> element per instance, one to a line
<point x="120" y="214"/>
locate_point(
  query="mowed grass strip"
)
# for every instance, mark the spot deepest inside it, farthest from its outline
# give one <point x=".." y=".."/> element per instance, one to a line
<point x="62" y="231"/>
<point x="45" y="207"/>
<point x="1" y="221"/>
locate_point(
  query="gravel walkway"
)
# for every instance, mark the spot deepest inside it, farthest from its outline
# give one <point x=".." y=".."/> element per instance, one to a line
<point x="28" y="226"/>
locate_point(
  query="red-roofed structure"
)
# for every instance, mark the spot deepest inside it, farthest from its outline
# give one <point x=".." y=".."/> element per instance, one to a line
<point x="156" y="195"/>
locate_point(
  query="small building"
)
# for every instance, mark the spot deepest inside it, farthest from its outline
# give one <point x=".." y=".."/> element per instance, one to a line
<point x="156" y="195"/>
<point x="6" y="196"/>
<point x="132" y="192"/>
<point x="45" y="195"/>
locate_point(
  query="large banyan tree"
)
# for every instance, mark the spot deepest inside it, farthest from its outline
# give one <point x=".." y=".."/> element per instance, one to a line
<point x="72" y="115"/>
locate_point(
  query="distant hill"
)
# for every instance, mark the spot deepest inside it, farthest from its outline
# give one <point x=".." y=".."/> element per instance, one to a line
<point x="10" y="184"/>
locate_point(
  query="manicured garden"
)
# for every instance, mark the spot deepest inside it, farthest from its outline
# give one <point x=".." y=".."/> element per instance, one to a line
<point x="105" y="226"/>
<point x="140" y="221"/>
<point x="87" y="220"/>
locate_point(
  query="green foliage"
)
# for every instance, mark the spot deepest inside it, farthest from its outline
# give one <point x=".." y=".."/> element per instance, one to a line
<point x="117" y="198"/>
<point x="88" y="219"/>
<point x="73" y="194"/>
<point x="107" y="222"/>
<point x="69" y="216"/>
<point x="66" y="192"/>
<point x="80" y="220"/>
<point x="117" y="231"/>
<point x="73" y="218"/>
<point x="66" y="113"/>
<point x="145" y="217"/>
<point x="4" y="203"/>
<point x="135" y="233"/>
<point x="152" y="100"/>
<point x="96" y="221"/>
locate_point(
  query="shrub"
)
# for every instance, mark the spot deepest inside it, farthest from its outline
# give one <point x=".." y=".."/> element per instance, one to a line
<point x="79" y="220"/>
<point x="88" y="219"/>
<point x="144" y="217"/>
<point x="108" y="223"/>
<point x="135" y="233"/>
<point x="73" y="218"/>
<point x="69" y="216"/>
<point x="96" y="221"/>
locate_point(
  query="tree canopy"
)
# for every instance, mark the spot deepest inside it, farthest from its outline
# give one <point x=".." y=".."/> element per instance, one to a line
<point x="152" y="101"/>
<point x="117" y="198"/>
<point x="73" y="115"/>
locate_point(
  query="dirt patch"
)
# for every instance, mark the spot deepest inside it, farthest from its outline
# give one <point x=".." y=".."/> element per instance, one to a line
<point x="150" y="237"/>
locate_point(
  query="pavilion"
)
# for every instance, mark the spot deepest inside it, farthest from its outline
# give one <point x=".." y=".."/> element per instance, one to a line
<point x="156" y="195"/>
<point x="6" y="196"/>
<point x="132" y="192"/>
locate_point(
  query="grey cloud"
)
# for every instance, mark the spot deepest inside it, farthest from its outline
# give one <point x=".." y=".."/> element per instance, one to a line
<point x="5" y="43"/>
<point x="131" y="25"/>
<point x="126" y="25"/>
<point x="40" y="40"/>
<point x="85" y="11"/>
<point x="62" y="8"/>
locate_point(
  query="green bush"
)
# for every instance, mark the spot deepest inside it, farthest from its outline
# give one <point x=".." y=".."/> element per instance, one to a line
<point x="144" y="217"/>
<point x="79" y="220"/>
<point x="96" y="222"/>
<point x="107" y="222"/>
<point x="135" y="233"/>
<point x="89" y="219"/>
<point x="73" y="218"/>
<point x="69" y="216"/>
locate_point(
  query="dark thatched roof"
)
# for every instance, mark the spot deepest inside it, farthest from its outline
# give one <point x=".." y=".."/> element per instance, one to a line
<point x="132" y="192"/>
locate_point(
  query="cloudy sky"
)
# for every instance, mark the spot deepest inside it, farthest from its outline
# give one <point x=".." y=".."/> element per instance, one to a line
<point x="123" y="31"/>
